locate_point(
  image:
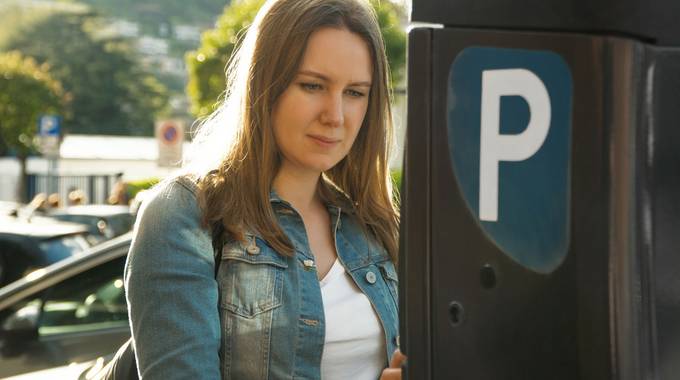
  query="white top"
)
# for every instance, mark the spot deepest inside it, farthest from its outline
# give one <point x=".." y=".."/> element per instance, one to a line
<point x="355" y="344"/>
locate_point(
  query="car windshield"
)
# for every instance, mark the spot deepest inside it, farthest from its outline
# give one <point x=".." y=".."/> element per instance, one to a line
<point x="63" y="247"/>
<point x="109" y="226"/>
<point x="121" y="223"/>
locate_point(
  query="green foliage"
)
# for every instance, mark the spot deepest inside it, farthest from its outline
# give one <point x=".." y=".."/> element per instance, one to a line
<point x="207" y="64"/>
<point x="389" y="18"/>
<point x="152" y="13"/>
<point x="13" y="19"/>
<point x="396" y="178"/>
<point x="134" y="187"/>
<point x="26" y="91"/>
<point x="110" y="93"/>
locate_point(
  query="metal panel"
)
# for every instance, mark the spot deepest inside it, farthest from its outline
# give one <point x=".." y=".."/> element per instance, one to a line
<point x="632" y="349"/>
<point x="663" y="191"/>
<point x="414" y="266"/>
<point x="560" y="325"/>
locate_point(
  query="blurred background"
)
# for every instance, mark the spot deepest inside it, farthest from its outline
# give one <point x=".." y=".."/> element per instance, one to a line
<point x="97" y="103"/>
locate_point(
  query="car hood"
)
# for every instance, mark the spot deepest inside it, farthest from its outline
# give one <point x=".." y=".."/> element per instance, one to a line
<point x="67" y="372"/>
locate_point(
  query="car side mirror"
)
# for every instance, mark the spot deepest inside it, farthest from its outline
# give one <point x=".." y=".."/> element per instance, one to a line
<point x="18" y="329"/>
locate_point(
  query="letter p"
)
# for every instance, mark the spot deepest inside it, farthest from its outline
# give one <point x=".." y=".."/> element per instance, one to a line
<point x="496" y="147"/>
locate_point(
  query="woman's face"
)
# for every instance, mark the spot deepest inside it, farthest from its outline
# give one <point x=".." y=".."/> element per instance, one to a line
<point x="318" y="117"/>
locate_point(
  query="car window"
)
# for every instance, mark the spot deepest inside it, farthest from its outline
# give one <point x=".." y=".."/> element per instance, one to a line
<point x="63" y="247"/>
<point x="121" y="223"/>
<point x="21" y="315"/>
<point x="89" y="220"/>
<point x="91" y="300"/>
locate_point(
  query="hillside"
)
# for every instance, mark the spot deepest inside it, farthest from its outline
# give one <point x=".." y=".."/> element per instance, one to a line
<point x="164" y="30"/>
<point x="151" y="13"/>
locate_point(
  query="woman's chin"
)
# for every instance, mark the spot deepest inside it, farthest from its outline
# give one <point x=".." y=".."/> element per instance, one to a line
<point x="321" y="165"/>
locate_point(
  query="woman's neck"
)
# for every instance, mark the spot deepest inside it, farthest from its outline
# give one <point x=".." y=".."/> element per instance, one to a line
<point x="299" y="188"/>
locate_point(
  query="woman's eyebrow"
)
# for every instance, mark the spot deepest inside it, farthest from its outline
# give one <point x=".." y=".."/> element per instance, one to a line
<point x="326" y="79"/>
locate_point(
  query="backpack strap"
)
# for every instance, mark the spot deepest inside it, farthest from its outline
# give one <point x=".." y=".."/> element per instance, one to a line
<point x="217" y="243"/>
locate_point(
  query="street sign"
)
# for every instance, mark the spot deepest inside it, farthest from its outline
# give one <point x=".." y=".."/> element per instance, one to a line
<point x="49" y="125"/>
<point x="170" y="137"/>
<point x="49" y="135"/>
<point x="509" y="136"/>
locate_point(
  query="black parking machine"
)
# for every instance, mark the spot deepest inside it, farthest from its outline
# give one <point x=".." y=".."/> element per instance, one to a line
<point x="541" y="201"/>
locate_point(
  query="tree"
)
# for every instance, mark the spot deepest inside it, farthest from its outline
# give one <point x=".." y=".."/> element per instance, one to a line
<point x="207" y="64"/>
<point x="390" y="16"/>
<point x="111" y="93"/>
<point x="26" y="91"/>
<point x="151" y="13"/>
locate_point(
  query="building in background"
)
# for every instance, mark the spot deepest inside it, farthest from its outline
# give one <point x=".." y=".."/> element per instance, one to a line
<point x="90" y="155"/>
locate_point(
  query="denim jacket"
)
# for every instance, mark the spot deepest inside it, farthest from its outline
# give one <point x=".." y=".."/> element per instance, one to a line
<point x="261" y="316"/>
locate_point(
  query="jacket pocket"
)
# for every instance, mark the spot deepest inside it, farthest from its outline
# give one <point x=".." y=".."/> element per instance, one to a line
<point x="250" y="278"/>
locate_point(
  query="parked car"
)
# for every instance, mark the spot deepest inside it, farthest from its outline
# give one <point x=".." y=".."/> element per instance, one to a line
<point x="73" y="371"/>
<point x="104" y="221"/>
<point x="73" y="311"/>
<point x="29" y="245"/>
<point x="96" y="369"/>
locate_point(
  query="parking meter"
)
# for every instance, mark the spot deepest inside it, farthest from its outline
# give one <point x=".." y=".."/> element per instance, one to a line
<point x="540" y="227"/>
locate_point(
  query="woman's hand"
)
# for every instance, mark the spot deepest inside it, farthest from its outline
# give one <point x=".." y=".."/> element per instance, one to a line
<point x="394" y="371"/>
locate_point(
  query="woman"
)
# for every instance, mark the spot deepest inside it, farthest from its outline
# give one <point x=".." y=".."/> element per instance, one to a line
<point x="298" y="208"/>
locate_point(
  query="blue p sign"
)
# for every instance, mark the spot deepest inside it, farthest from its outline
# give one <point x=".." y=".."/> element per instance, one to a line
<point x="49" y="125"/>
<point x="509" y="125"/>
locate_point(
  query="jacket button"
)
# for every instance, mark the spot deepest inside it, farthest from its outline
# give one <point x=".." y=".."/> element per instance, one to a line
<point x="309" y="264"/>
<point x="253" y="249"/>
<point x="370" y="277"/>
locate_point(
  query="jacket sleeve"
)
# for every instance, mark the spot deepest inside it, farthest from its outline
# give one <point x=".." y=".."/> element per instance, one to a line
<point x="171" y="289"/>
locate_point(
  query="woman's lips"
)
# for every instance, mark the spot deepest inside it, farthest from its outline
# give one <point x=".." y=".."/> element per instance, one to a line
<point x="322" y="141"/>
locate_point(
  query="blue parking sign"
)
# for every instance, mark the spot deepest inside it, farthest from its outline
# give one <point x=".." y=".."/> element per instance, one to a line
<point x="49" y="125"/>
<point x="509" y="136"/>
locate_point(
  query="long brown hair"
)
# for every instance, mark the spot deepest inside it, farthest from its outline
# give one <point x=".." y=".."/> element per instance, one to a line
<point x="235" y="183"/>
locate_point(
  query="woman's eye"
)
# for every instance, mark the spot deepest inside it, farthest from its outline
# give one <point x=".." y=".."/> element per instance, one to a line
<point x="355" y="93"/>
<point x="310" y="86"/>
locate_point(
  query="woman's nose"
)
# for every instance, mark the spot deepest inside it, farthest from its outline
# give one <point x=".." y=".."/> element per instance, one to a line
<point x="333" y="111"/>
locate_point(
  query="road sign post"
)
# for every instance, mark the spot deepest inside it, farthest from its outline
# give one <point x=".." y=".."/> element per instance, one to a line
<point x="170" y="137"/>
<point x="49" y="142"/>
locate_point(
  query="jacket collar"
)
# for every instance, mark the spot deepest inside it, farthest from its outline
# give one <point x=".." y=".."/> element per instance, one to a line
<point x="341" y="201"/>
